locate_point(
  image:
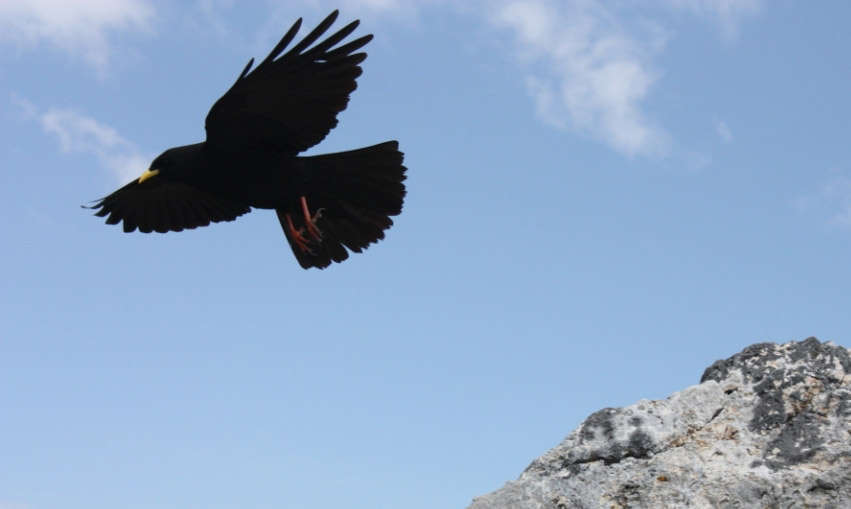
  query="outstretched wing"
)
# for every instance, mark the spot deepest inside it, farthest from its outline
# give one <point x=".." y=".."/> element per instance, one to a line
<point x="289" y="103"/>
<point x="162" y="205"/>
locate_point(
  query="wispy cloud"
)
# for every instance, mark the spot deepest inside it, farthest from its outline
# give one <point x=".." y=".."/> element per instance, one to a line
<point x="78" y="133"/>
<point x="724" y="131"/>
<point x="79" y="27"/>
<point x="727" y="13"/>
<point x="590" y="73"/>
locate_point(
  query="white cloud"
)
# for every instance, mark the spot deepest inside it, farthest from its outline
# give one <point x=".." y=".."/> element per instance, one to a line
<point x="724" y="132"/>
<point x="727" y="13"/>
<point x="595" y="74"/>
<point x="80" y="27"/>
<point x="78" y="133"/>
<point x="589" y="64"/>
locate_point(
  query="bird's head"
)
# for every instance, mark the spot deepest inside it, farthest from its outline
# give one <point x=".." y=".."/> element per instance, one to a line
<point x="173" y="162"/>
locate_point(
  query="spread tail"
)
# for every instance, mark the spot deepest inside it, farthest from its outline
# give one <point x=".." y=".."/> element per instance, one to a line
<point x="348" y="203"/>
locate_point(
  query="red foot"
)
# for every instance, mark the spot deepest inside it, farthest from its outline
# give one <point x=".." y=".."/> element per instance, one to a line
<point x="298" y="238"/>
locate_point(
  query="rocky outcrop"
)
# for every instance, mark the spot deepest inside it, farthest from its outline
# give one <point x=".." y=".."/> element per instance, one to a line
<point x="769" y="427"/>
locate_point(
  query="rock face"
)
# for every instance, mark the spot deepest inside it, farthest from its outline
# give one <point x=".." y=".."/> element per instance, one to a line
<point x="769" y="427"/>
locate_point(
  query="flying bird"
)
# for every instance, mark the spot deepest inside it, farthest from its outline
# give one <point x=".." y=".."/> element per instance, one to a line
<point x="326" y="204"/>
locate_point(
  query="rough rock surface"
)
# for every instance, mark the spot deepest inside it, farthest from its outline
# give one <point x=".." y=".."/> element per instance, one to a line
<point x="769" y="427"/>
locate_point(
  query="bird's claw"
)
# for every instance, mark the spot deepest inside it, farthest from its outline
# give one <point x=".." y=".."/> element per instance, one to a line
<point x="301" y="242"/>
<point x="310" y="221"/>
<point x="314" y="230"/>
<point x="298" y="237"/>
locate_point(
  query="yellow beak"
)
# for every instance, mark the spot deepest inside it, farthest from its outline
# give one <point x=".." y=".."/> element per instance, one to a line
<point x="148" y="174"/>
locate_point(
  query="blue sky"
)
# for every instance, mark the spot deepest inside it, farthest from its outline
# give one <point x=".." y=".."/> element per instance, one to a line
<point x="604" y="198"/>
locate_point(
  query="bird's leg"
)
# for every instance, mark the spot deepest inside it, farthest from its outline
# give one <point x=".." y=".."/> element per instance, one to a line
<point x="310" y="222"/>
<point x="298" y="238"/>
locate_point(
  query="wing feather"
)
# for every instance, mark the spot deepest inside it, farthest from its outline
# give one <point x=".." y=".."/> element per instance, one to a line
<point x="163" y="205"/>
<point x="283" y="43"/>
<point x="289" y="102"/>
<point x="314" y="34"/>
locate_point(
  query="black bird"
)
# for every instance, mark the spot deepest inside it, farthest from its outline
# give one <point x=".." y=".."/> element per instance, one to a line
<point x="288" y="103"/>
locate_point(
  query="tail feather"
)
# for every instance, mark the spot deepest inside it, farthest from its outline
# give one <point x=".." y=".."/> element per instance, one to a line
<point x="355" y="193"/>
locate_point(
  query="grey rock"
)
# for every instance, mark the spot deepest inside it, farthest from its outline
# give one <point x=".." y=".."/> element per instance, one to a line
<point x="769" y="427"/>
